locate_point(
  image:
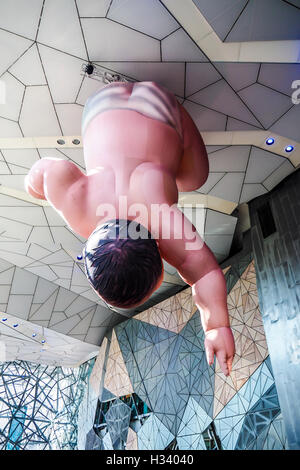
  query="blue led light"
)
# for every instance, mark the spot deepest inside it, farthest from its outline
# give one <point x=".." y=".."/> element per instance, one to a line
<point x="34" y="335"/>
<point x="79" y="257"/>
<point x="15" y="325"/>
<point x="4" y="319"/>
<point x="289" y="148"/>
<point x="43" y="341"/>
<point x="270" y="141"/>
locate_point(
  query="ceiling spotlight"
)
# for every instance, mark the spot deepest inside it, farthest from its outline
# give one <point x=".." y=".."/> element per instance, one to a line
<point x="76" y="141"/>
<point x="270" y="141"/>
<point x="79" y="257"/>
<point x="4" y="319"/>
<point x="61" y="142"/>
<point x="289" y="148"/>
<point x="15" y="325"/>
<point x="34" y="335"/>
<point x="43" y="341"/>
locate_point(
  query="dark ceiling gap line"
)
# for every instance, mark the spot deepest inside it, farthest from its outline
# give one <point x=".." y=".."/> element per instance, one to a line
<point x="203" y="88"/>
<point x="109" y="8"/>
<point x="276" y="91"/>
<point x="13" y="63"/>
<point x="40" y="18"/>
<point x="278" y="119"/>
<point x="133" y="29"/>
<point x="82" y="33"/>
<point x="240" y="14"/>
<point x="291" y="4"/>
<point x="246" y="169"/>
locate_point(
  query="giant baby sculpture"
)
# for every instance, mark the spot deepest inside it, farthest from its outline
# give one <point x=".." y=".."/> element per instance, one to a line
<point x="140" y="148"/>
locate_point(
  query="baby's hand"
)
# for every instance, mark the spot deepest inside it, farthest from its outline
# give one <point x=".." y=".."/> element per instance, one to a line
<point x="220" y="342"/>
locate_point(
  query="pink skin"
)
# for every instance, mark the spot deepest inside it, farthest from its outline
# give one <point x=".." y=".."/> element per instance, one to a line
<point x="129" y="154"/>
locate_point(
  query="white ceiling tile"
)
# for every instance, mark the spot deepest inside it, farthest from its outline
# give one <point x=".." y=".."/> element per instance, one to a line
<point x="238" y="75"/>
<point x="9" y="129"/>
<point x="38" y="115"/>
<point x="79" y="278"/>
<point x="234" y="158"/>
<point x="266" y="104"/>
<point x="41" y="236"/>
<point x="211" y="181"/>
<point x="60" y="28"/>
<point x="180" y="47"/>
<point x="250" y="191"/>
<point x="22" y="157"/>
<point x="287" y="125"/>
<point x="83" y="326"/>
<point x="18" y="170"/>
<point x="7" y="276"/>
<point x="45" y="311"/>
<point x="261" y="165"/>
<point x="205" y="119"/>
<point x="278" y="175"/>
<point x="14" y="229"/>
<point x="107" y="40"/>
<point x="75" y="155"/>
<point x="12" y="201"/>
<point x="43" y="291"/>
<point x="149" y="17"/>
<point x="279" y="76"/>
<point x="95" y="335"/>
<point x="53" y="217"/>
<point x="66" y="326"/>
<point x="19" y="305"/>
<point x="56" y="317"/>
<point x="14" y="92"/>
<point x="36" y="252"/>
<point x="23" y="282"/>
<point x="11" y="48"/>
<point x="89" y="87"/>
<point x="222" y="98"/>
<point x="69" y="116"/>
<point x="58" y="257"/>
<point x="236" y="125"/>
<point x="218" y="223"/>
<point x="93" y="7"/>
<point x="62" y="271"/>
<point x="4" y="293"/>
<point x="34" y="215"/>
<point x="4" y="169"/>
<point x="229" y="187"/>
<point x="80" y="304"/>
<point x="64" y="236"/>
<point x="169" y="75"/>
<point x="199" y="75"/>
<point x="57" y="65"/>
<point x="21" y="17"/>
<point x="28" y="69"/>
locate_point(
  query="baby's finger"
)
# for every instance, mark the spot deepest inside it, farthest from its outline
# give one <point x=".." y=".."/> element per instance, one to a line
<point x="229" y="364"/>
<point x="222" y="359"/>
<point x="209" y="353"/>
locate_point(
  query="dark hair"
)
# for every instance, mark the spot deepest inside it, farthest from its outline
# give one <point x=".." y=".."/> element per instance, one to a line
<point x="122" y="262"/>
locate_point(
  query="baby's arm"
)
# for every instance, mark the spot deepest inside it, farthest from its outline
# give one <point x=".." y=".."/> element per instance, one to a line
<point x="63" y="184"/>
<point x="193" y="169"/>
<point x="198" y="267"/>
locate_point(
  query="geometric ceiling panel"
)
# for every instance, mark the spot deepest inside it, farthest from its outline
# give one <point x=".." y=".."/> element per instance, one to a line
<point x="107" y="40"/>
<point x="170" y="75"/>
<point x="147" y="17"/>
<point x="268" y="105"/>
<point x="254" y="20"/>
<point x="21" y="17"/>
<point x="38" y="116"/>
<point x="266" y="20"/>
<point x="288" y="124"/>
<point x="221" y="16"/>
<point x="261" y="164"/>
<point x="279" y="76"/>
<point x="179" y="47"/>
<point x="57" y="65"/>
<point x="93" y="7"/>
<point x="28" y="68"/>
<point x="199" y="75"/>
<point x="238" y="75"/>
<point x="70" y="116"/>
<point x="204" y="118"/>
<point x="24" y="343"/>
<point x="11" y="48"/>
<point x="221" y="97"/>
<point x="241" y="173"/>
<point x="60" y="28"/>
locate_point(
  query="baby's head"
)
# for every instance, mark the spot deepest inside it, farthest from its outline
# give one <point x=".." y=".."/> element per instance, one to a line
<point x="123" y="263"/>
